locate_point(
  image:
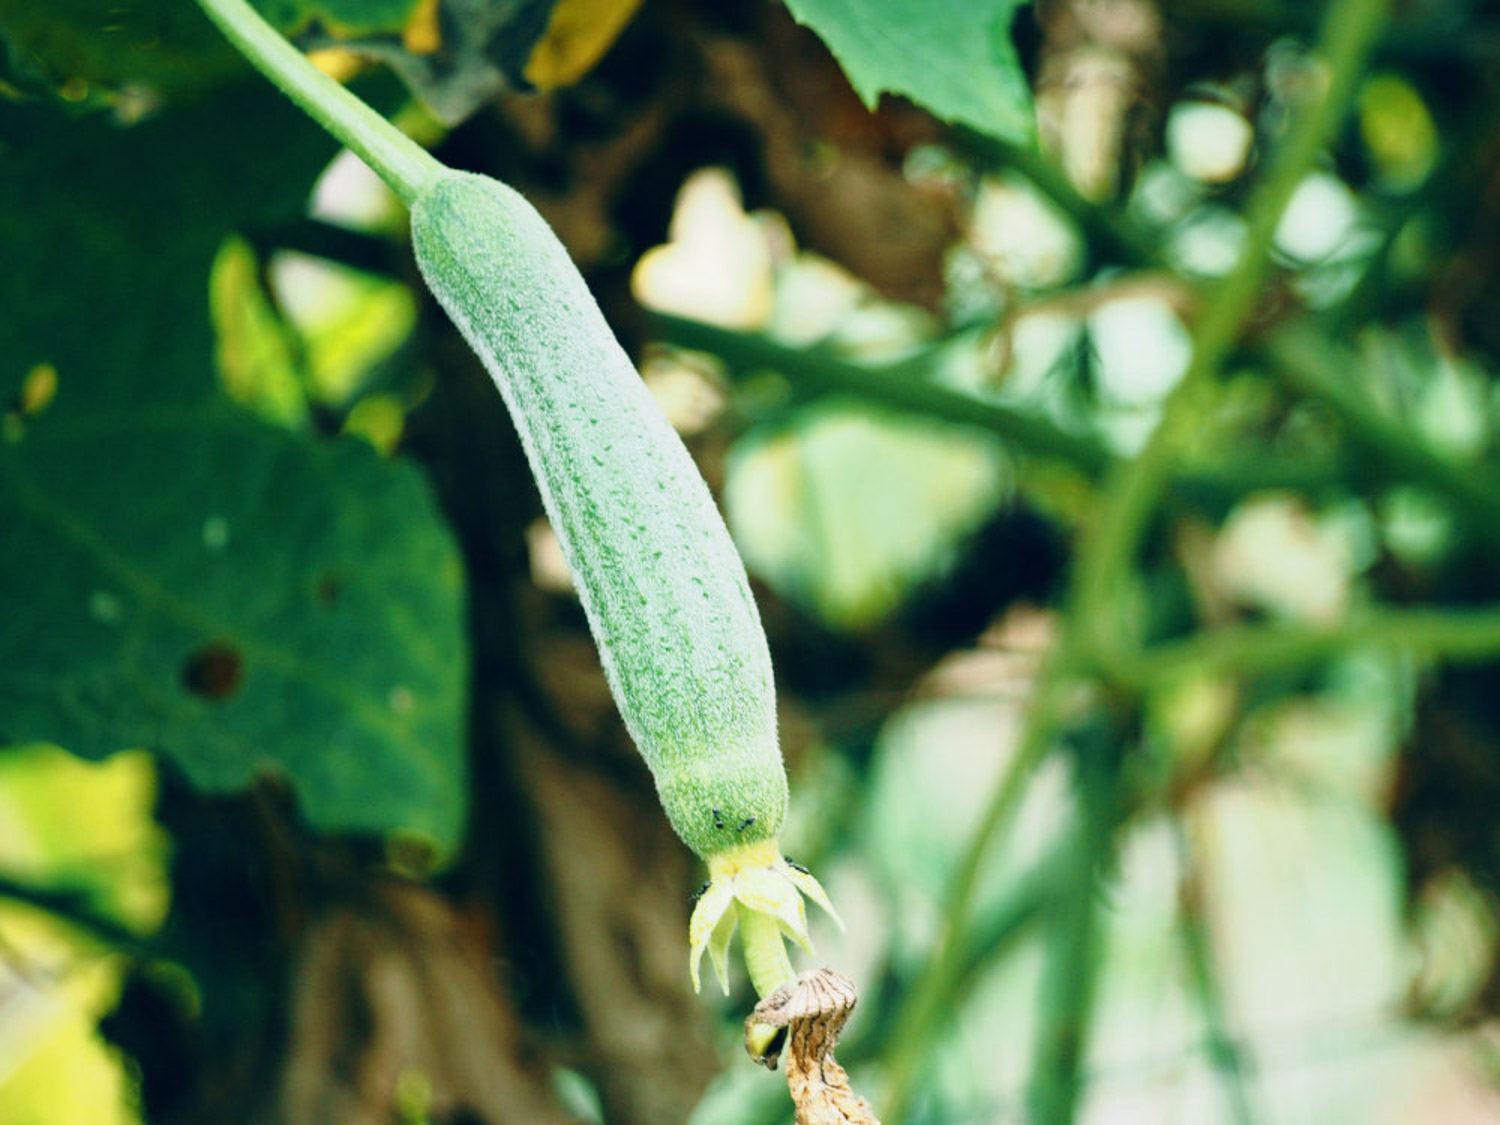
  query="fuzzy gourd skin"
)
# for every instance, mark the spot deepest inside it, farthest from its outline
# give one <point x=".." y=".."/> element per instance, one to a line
<point x="664" y="590"/>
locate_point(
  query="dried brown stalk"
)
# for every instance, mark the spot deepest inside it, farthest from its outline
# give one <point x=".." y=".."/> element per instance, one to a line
<point x="813" y="1011"/>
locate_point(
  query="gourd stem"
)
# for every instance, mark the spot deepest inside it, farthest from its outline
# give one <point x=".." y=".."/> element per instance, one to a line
<point x="405" y="166"/>
<point x="765" y="951"/>
<point x="770" y="968"/>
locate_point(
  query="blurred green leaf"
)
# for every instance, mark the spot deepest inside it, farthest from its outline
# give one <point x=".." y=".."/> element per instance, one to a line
<point x="107" y="234"/>
<point x="849" y="511"/>
<point x="83" y="832"/>
<point x="952" y="57"/>
<point x="352" y="17"/>
<point x="178" y="575"/>
<point x="163" y="44"/>
<point x="258" y="354"/>
<point x="188" y="579"/>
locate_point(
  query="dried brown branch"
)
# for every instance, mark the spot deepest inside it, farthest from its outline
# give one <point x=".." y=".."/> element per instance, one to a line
<point x="814" y="1011"/>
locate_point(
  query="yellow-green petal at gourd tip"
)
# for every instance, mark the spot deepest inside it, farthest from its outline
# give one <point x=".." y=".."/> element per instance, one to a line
<point x="754" y="887"/>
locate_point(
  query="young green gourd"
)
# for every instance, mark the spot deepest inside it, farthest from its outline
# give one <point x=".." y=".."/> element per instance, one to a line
<point x="664" y="590"/>
<point x="662" y="585"/>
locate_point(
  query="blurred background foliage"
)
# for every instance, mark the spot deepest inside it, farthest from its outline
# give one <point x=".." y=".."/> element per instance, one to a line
<point x="1102" y="393"/>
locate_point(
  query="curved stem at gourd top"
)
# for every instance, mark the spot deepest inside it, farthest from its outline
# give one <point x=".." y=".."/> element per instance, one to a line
<point x="405" y="166"/>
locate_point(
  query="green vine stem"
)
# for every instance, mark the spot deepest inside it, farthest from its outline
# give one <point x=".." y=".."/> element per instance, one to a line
<point x="1074" y="935"/>
<point x="932" y="995"/>
<point x="1091" y="628"/>
<point x="1104" y="227"/>
<point x="817" y="372"/>
<point x="1471" y="635"/>
<point x="822" y="372"/>
<point x="1456" y="636"/>
<point x="1203" y="971"/>
<point x="1306" y="363"/>
<point x="405" y="166"/>
<point x="1350" y="31"/>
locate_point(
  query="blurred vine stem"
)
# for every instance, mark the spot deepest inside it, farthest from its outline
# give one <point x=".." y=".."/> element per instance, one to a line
<point x="1094" y="628"/>
<point x="819" y="372"/>
<point x="1197" y="943"/>
<point x="1454" y="635"/>
<point x="932" y="994"/>
<point x="1350" y="31"/>
<point x="1307" y="363"/>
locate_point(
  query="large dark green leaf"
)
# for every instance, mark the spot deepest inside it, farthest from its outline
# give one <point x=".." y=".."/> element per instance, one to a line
<point x="186" y="578"/>
<point x="953" y="57"/>
<point x="107" y="234"/>
<point x="164" y="45"/>
<point x="161" y="44"/>
<point x="174" y="573"/>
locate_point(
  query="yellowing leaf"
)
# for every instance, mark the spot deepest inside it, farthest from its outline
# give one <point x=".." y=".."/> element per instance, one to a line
<point x="578" y="34"/>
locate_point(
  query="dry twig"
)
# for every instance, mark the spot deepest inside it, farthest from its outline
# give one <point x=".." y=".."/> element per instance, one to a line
<point x="813" y="1011"/>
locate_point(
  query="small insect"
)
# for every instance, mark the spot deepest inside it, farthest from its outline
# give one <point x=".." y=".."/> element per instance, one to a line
<point x="795" y="866"/>
<point x="699" y="892"/>
<point x="718" y="819"/>
<point x="746" y="823"/>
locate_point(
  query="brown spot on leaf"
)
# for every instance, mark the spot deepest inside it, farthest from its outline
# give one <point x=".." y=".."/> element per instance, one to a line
<point x="214" y="671"/>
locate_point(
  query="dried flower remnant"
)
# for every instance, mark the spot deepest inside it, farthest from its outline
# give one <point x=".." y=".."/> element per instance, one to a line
<point x="812" y="1013"/>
